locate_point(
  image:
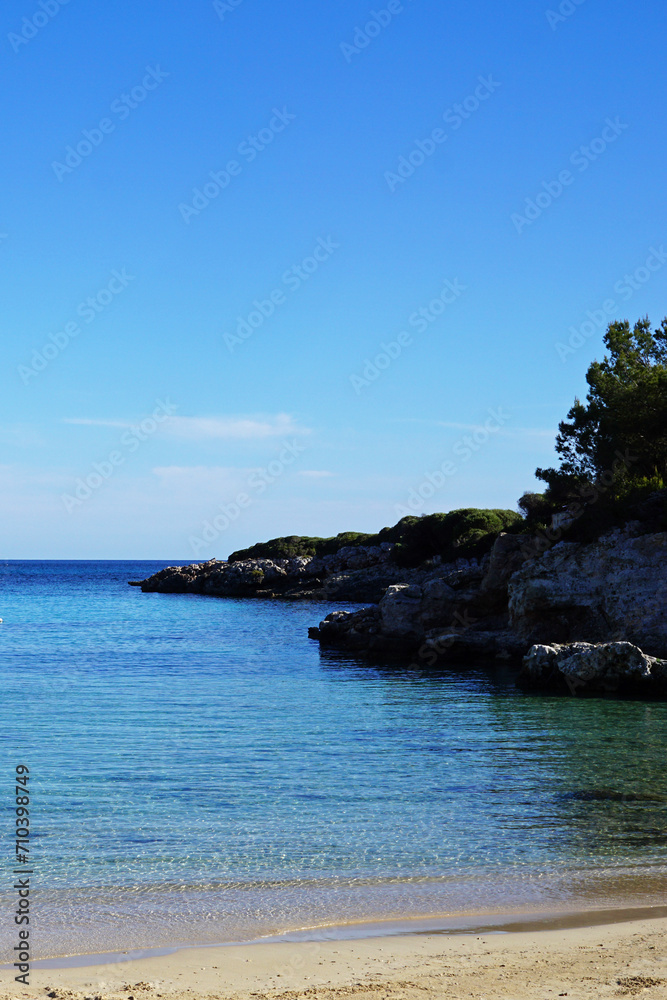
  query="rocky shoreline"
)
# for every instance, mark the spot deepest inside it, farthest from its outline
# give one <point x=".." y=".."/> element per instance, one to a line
<point x="353" y="574"/>
<point x="578" y="618"/>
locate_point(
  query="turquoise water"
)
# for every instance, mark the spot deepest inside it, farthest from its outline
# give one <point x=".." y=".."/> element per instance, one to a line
<point x="201" y="772"/>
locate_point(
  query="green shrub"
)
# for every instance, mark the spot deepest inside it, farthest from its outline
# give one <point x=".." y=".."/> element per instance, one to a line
<point x="631" y="491"/>
<point x="467" y="533"/>
<point x="464" y="533"/>
<point x="297" y="545"/>
<point x="537" y="510"/>
<point x="277" y="548"/>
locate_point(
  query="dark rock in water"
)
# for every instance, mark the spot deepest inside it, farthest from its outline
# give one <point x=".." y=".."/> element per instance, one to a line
<point x="608" y="795"/>
<point x="351" y="574"/>
<point x="586" y="618"/>
<point x="254" y="577"/>
<point x="353" y="630"/>
<point x="393" y="629"/>
<point x="588" y="668"/>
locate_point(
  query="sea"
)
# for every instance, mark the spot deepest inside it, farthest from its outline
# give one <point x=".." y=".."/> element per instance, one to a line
<point x="202" y="773"/>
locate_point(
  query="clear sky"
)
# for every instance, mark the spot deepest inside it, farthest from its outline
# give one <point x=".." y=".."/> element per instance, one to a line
<point x="216" y="217"/>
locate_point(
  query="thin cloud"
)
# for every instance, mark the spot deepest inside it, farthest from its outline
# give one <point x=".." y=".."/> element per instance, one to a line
<point x="507" y="431"/>
<point x="87" y="422"/>
<point x="212" y="428"/>
<point x="196" y="472"/>
<point x="233" y="428"/>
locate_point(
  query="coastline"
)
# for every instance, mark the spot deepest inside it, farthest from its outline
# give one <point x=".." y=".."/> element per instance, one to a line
<point x="582" y="796"/>
<point x="534" y="960"/>
<point x="90" y="924"/>
<point x="576" y="618"/>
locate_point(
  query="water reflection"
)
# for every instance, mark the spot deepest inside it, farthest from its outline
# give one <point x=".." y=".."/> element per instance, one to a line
<point x="581" y="780"/>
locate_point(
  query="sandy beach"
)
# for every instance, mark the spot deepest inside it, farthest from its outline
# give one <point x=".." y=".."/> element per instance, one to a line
<point x="620" y="959"/>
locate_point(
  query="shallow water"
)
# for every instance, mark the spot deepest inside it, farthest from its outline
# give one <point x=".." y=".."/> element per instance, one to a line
<point x="200" y="772"/>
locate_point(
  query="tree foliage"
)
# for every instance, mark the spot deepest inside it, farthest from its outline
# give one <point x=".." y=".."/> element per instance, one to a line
<point x="622" y="426"/>
<point x="536" y="509"/>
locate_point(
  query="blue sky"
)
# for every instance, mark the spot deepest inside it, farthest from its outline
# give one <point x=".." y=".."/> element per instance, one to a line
<point x="215" y="218"/>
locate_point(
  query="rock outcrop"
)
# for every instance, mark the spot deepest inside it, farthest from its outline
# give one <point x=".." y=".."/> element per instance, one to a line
<point x="585" y="611"/>
<point x="451" y="613"/>
<point x="221" y="579"/>
<point x="360" y="573"/>
<point x="585" y="668"/>
<point x="353" y="574"/>
<point x="611" y="590"/>
<point x="610" y="595"/>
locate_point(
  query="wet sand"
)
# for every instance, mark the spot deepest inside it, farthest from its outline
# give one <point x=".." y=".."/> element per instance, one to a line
<point x="613" y="959"/>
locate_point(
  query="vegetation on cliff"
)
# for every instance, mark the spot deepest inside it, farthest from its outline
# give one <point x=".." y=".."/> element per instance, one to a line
<point x="468" y="532"/>
<point x="292" y="546"/>
<point x="613" y="447"/>
<point x="613" y="467"/>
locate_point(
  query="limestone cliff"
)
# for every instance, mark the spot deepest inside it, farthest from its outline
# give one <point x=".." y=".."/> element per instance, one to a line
<point x="611" y="591"/>
<point x="614" y="589"/>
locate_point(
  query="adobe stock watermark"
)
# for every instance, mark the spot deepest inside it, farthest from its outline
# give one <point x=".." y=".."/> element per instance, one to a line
<point x="249" y="149"/>
<point x="454" y="117"/>
<point x="256" y="485"/>
<point x="597" y="320"/>
<point x="31" y="26"/>
<point x="581" y="158"/>
<point x="121" y="108"/>
<point x="565" y="11"/>
<point x="293" y="279"/>
<point x="420" y="320"/>
<point x="378" y="21"/>
<point x="131" y="440"/>
<point x="88" y="311"/>
<point x="464" y="449"/>
<point x="224" y="7"/>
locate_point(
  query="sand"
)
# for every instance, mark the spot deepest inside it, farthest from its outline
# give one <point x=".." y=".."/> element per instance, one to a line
<point x="622" y="959"/>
